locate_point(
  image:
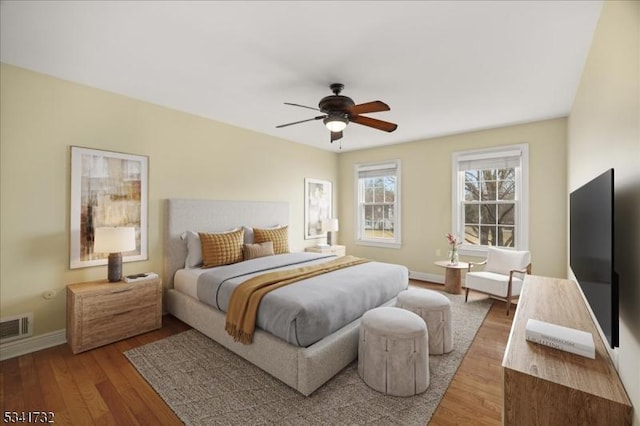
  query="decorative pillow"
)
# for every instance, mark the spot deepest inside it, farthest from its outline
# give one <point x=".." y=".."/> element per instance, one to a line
<point x="221" y="249"/>
<point x="248" y="235"/>
<point x="279" y="236"/>
<point x="251" y="251"/>
<point x="194" y="250"/>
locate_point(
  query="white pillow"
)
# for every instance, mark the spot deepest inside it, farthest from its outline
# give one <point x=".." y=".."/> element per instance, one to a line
<point x="194" y="249"/>
<point x="248" y="235"/>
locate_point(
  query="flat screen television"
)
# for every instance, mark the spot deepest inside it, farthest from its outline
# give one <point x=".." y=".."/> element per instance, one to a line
<point x="592" y="250"/>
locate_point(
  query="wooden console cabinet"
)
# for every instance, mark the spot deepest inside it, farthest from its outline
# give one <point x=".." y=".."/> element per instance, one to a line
<point x="100" y="312"/>
<point x="546" y="386"/>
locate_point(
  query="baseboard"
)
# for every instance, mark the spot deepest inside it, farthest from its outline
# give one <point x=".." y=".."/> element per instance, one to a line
<point x="423" y="276"/>
<point x="32" y="344"/>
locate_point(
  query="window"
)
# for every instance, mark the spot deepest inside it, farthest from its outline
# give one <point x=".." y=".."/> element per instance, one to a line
<point x="378" y="204"/>
<point x="490" y="191"/>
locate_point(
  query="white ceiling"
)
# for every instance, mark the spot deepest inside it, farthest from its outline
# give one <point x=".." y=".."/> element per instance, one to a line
<point x="443" y="67"/>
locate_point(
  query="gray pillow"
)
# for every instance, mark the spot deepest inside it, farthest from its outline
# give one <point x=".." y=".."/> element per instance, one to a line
<point x="194" y="249"/>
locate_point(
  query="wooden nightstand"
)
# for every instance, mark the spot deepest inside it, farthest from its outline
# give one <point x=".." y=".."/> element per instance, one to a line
<point x="335" y="249"/>
<point x="100" y="312"/>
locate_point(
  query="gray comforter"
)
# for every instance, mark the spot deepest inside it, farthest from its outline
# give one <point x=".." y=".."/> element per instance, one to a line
<point x="305" y="312"/>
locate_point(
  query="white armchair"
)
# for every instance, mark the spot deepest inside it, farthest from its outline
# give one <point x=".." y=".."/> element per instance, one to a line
<point x="498" y="279"/>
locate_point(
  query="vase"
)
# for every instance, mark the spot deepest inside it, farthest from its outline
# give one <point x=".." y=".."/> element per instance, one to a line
<point x="453" y="257"/>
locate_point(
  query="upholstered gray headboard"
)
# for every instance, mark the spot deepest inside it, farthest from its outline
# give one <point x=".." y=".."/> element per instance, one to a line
<point x="211" y="216"/>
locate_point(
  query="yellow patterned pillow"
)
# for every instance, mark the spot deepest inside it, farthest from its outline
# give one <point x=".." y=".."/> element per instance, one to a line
<point x="221" y="248"/>
<point x="279" y="236"/>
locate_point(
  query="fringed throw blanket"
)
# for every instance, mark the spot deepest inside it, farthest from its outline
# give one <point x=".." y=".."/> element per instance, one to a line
<point x="245" y="299"/>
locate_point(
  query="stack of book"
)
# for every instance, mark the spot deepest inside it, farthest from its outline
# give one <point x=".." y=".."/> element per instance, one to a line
<point x="564" y="338"/>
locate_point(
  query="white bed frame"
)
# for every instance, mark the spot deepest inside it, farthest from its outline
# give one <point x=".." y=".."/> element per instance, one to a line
<point x="304" y="369"/>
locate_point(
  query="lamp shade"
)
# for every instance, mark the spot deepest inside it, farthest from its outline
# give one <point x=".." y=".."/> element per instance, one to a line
<point x="330" y="224"/>
<point x="336" y="123"/>
<point x="114" y="240"/>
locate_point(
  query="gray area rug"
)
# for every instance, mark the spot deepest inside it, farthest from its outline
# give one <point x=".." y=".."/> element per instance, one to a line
<point x="206" y="384"/>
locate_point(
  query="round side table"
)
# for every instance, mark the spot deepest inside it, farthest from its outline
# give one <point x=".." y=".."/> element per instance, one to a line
<point x="453" y="276"/>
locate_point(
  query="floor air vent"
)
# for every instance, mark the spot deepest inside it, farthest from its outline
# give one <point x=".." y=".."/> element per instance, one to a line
<point x="16" y="327"/>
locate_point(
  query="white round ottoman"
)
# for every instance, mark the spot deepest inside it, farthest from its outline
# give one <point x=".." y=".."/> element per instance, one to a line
<point x="435" y="309"/>
<point x="393" y="352"/>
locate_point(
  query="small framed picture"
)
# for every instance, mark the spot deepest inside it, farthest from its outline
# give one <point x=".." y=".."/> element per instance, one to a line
<point x="317" y="196"/>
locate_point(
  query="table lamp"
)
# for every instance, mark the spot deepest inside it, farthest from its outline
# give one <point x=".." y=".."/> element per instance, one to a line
<point x="114" y="241"/>
<point x="330" y="226"/>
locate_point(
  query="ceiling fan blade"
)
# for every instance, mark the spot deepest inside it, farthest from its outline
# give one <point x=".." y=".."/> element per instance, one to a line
<point x="301" y="106"/>
<point x="301" y="121"/>
<point x="375" y="123"/>
<point x="375" y="106"/>
<point x="335" y="136"/>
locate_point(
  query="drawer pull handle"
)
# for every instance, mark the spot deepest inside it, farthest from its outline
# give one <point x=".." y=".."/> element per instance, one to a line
<point x="122" y="291"/>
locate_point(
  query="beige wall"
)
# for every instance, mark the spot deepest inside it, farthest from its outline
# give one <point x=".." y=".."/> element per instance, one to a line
<point x="426" y="194"/>
<point x="195" y="157"/>
<point x="604" y="132"/>
<point x="190" y="157"/>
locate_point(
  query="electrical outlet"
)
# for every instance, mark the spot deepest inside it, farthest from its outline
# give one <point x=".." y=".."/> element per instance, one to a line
<point x="438" y="252"/>
<point x="49" y="294"/>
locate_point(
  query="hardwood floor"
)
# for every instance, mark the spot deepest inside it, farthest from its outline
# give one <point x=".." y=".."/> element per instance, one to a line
<point x="96" y="387"/>
<point x="101" y="387"/>
<point x="474" y="396"/>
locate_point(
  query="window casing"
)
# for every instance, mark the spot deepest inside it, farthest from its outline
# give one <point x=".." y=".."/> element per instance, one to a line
<point x="490" y="198"/>
<point x="378" y="204"/>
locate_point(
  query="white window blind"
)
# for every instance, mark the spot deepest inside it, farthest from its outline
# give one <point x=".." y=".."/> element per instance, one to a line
<point x="491" y="160"/>
<point x="379" y="170"/>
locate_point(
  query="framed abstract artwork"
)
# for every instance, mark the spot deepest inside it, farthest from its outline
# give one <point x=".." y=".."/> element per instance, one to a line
<point x="317" y="199"/>
<point x="108" y="189"/>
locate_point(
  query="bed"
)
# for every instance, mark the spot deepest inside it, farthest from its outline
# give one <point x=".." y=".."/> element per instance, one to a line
<point x="302" y="363"/>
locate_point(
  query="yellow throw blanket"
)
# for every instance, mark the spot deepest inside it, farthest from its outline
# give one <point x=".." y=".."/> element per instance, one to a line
<point x="245" y="299"/>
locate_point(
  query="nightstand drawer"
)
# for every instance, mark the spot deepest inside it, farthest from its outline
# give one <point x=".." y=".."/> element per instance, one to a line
<point x="107" y="329"/>
<point x="118" y="301"/>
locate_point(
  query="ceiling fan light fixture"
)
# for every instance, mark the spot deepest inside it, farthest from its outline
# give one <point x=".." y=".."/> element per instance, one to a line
<point x="338" y="111"/>
<point x="336" y="123"/>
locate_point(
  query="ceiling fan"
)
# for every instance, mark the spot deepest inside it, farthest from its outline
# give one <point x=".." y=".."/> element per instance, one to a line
<point x="340" y="110"/>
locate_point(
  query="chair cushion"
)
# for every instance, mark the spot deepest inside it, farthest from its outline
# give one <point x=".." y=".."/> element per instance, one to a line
<point x="501" y="261"/>
<point x="492" y="283"/>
